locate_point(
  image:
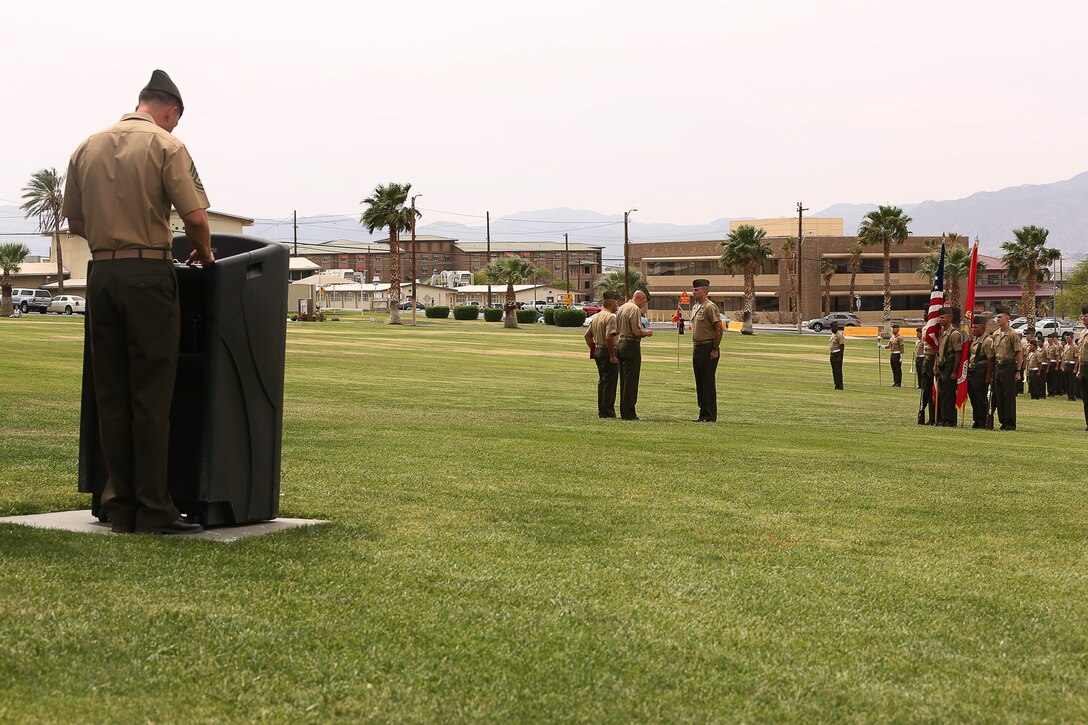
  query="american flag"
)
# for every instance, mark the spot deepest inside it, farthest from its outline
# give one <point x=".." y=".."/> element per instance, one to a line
<point x="932" y="327"/>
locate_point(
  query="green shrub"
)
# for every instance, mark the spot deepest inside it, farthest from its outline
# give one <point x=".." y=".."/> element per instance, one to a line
<point x="549" y="316"/>
<point x="526" y="316"/>
<point x="438" y="312"/>
<point x="466" y="312"/>
<point x="493" y="314"/>
<point x="570" y="318"/>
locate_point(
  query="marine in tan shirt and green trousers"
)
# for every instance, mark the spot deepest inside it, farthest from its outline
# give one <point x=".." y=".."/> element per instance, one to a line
<point x="706" y="335"/>
<point x="629" y="351"/>
<point x="838" y="349"/>
<point x="121" y="184"/>
<point x="601" y="338"/>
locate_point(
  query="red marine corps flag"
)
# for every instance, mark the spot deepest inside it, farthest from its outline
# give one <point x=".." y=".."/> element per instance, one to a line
<point x="969" y="317"/>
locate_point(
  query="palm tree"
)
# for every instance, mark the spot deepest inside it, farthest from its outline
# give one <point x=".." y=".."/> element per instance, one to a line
<point x="613" y="282"/>
<point x="885" y="225"/>
<point x="43" y="197"/>
<point x="12" y="255"/>
<point x="385" y="209"/>
<point x="789" y="248"/>
<point x="744" y="252"/>
<point x="1029" y="258"/>
<point x="855" y="264"/>
<point x="827" y="272"/>
<point x="511" y="270"/>
<point x="957" y="266"/>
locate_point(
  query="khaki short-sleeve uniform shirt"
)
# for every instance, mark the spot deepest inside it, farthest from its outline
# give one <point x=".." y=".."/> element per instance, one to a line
<point x="1082" y="348"/>
<point x="1069" y="353"/>
<point x="895" y="344"/>
<point x="123" y="180"/>
<point x="982" y="349"/>
<point x="628" y="320"/>
<point x="704" y="320"/>
<point x="603" y="327"/>
<point x="919" y="349"/>
<point x="949" y="343"/>
<point x="837" y="341"/>
<point x="1006" y="344"/>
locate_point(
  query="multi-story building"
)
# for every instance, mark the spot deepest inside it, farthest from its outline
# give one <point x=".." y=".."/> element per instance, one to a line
<point x="670" y="267"/>
<point x="577" y="263"/>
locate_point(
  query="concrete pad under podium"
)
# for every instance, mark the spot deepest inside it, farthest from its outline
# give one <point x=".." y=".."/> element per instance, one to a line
<point x="84" y="523"/>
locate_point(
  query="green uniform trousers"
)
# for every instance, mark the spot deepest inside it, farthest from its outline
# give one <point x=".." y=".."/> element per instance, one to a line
<point x="607" y="377"/>
<point x="1005" y="385"/>
<point x="134" y="325"/>
<point x="706" y="384"/>
<point x="629" y="352"/>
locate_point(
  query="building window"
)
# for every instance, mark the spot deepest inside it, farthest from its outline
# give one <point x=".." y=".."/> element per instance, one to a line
<point x="993" y="279"/>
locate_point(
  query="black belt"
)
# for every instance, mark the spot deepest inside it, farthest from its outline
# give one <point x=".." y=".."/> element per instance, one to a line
<point x="703" y="342"/>
<point x="1005" y="362"/>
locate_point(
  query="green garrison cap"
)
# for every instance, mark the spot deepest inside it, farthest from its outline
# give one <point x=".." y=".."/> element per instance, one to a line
<point x="611" y="296"/>
<point x="700" y="283"/>
<point x="162" y="83"/>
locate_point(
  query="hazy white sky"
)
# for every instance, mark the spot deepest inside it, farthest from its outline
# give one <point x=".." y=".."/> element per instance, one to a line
<point x="687" y="110"/>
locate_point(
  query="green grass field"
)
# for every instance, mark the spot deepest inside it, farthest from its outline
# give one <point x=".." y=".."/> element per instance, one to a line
<point x="498" y="553"/>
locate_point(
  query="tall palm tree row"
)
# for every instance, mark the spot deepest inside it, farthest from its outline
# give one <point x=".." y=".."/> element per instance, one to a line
<point x="12" y="255"/>
<point x="789" y="253"/>
<point x="613" y="282"/>
<point x="957" y="267"/>
<point x="511" y="270"/>
<point x="1028" y="259"/>
<point x="43" y="197"/>
<point x="855" y="264"/>
<point x="744" y="252"/>
<point x="385" y="209"/>
<point x="827" y="273"/>
<point x="884" y="226"/>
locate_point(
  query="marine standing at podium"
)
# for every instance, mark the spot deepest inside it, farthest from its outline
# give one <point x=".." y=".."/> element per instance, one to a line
<point x="121" y="184"/>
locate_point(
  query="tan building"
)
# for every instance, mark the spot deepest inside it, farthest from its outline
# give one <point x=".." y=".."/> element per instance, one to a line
<point x="38" y="275"/>
<point x="787" y="226"/>
<point x="670" y="267"/>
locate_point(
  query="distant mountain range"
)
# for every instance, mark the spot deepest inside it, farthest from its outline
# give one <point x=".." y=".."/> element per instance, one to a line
<point x="1061" y="207"/>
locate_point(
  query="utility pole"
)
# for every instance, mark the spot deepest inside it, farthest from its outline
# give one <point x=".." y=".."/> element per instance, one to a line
<point x="488" y="256"/>
<point x="294" y="214"/>
<point x="566" y="262"/>
<point x="414" y="258"/>
<point x="626" y="258"/>
<point x="800" y="243"/>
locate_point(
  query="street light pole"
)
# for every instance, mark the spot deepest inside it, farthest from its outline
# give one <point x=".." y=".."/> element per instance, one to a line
<point x="416" y="196"/>
<point x="626" y="257"/>
<point x="800" y="243"/>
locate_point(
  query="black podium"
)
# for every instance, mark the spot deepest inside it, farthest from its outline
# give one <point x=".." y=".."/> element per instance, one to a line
<point x="226" y="420"/>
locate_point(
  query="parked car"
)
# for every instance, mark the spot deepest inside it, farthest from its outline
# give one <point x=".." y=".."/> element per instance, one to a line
<point x="591" y="309"/>
<point x="845" y="319"/>
<point x="408" y="306"/>
<point x="68" y="305"/>
<point x="538" y="305"/>
<point x="31" y="299"/>
<point x="1047" y="325"/>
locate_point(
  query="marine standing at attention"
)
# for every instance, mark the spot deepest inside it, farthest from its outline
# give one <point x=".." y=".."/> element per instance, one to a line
<point x="121" y="184"/>
<point x="1069" y="363"/>
<point x="706" y="336"/>
<point x="601" y="338"/>
<point x="919" y="356"/>
<point x="980" y="371"/>
<point x="837" y="347"/>
<point x="1008" y="361"/>
<point x="1080" y="370"/>
<point x="895" y="356"/>
<point x="629" y="351"/>
<point x="949" y="350"/>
